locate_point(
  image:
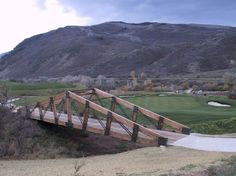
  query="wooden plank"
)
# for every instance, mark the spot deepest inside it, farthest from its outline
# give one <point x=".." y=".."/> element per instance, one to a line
<point x="83" y="92"/>
<point x="59" y="96"/>
<point x="77" y="98"/>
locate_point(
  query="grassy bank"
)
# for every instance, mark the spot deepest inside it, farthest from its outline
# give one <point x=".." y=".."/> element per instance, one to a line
<point x="216" y="127"/>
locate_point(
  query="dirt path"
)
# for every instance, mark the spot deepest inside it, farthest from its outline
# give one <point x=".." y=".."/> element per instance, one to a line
<point x="146" y="161"/>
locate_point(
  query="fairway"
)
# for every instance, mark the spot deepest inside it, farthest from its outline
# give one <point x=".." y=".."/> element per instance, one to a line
<point x="186" y="109"/>
<point x="30" y="93"/>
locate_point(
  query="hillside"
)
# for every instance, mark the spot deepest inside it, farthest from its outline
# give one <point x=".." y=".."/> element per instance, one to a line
<point x="116" y="48"/>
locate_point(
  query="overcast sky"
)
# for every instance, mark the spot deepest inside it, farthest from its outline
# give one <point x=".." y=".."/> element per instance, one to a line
<point x="24" y="18"/>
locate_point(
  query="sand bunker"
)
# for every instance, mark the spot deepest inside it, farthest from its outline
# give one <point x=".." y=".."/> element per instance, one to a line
<point x="213" y="103"/>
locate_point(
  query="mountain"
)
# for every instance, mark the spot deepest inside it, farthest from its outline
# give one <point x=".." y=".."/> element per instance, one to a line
<point x="116" y="48"/>
<point x="2" y="54"/>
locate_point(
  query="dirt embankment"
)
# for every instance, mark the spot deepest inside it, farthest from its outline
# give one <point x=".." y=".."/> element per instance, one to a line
<point x="23" y="138"/>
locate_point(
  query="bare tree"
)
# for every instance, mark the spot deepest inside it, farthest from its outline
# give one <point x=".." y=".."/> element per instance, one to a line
<point x="230" y="82"/>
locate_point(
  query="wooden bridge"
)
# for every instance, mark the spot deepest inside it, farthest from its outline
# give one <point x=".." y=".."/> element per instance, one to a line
<point x="85" y="110"/>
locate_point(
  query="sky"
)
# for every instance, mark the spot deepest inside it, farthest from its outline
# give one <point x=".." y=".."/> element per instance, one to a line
<point x="21" y="19"/>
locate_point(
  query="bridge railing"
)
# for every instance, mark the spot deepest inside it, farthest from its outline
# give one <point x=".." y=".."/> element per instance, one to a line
<point x="68" y="97"/>
<point x="178" y="127"/>
<point x="66" y="100"/>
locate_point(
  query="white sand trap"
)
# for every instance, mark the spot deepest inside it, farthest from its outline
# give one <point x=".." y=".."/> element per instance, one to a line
<point x="213" y="103"/>
<point x="208" y="143"/>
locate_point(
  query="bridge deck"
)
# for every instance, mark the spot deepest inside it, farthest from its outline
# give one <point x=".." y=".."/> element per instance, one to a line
<point x="117" y="131"/>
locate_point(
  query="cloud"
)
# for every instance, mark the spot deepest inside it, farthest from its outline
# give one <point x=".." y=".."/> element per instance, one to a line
<point x="22" y="19"/>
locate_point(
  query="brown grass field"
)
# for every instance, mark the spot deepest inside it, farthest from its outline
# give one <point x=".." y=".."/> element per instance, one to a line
<point x="148" y="161"/>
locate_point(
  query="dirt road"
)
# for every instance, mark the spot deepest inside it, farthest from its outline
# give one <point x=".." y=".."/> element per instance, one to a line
<point x="146" y="161"/>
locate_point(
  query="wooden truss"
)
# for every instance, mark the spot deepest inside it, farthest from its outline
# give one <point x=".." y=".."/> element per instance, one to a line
<point x="113" y="124"/>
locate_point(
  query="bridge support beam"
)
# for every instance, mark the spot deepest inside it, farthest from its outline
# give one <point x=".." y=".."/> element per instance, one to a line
<point x="53" y="107"/>
<point x="135" y="114"/>
<point x="135" y="133"/>
<point x="186" y="130"/>
<point x="108" y="124"/>
<point x="160" y="123"/>
<point x="68" y="109"/>
<point x="86" y="116"/>
<point x="113" y="104"/>
<point x="162" y="141"/>
<point x="40" y="111"/>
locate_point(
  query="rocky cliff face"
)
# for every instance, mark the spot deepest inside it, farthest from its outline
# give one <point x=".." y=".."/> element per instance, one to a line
<point x="116" y="48"/>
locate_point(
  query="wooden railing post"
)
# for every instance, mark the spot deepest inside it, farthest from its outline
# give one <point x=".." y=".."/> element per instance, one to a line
<point x="108" y="123"/>
<point x="80" y="113"/>
<point x="186" y="131"/>
<point x="135" y="114"/>
<point x="40" y="111"/>
<point x="162" y="141"/>
<point x="86" y="116"/>
<point x="135" y="133"/>
<point x="160" y="123"/>
<point x="53" y="109"/>
<point x="113" y="104"/>
<point x="68" y="109"/>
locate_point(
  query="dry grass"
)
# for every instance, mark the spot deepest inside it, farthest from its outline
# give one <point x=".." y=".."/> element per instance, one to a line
<point x="146" y="162"/>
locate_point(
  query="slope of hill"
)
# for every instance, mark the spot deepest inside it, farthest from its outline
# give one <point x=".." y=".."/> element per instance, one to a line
<point x="116" y="48"/>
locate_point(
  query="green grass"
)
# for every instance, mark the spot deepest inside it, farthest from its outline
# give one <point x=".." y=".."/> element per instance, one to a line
<point x="32" y="92"/>
<point x="216" y="127"/>
<point x="37" y="89"/>
<point x="29" y="100"/>
<point x="189" y="110"/>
